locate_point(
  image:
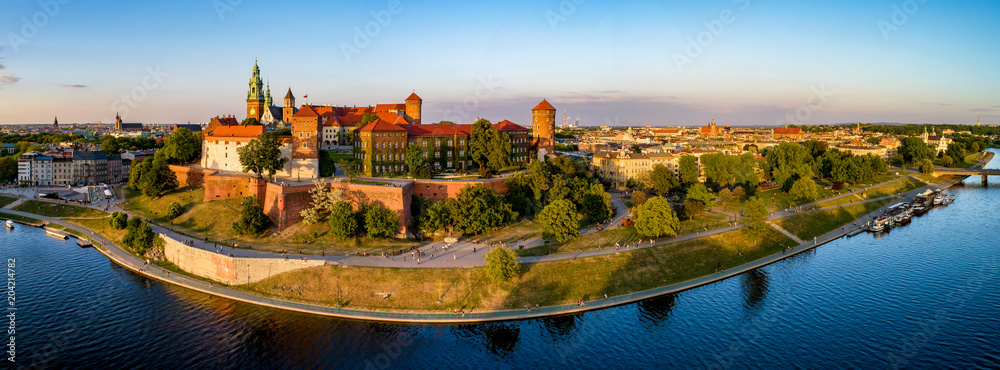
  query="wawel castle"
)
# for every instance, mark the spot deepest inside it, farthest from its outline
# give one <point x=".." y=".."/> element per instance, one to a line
<point x="380" y="145"/>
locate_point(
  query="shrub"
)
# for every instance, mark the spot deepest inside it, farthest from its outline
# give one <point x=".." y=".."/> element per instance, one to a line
<point x="174" y="210"/>
<point x="119" y="220"/>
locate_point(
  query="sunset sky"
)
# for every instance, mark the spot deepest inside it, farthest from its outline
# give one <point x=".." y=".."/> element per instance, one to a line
<point x="619" y="63"/>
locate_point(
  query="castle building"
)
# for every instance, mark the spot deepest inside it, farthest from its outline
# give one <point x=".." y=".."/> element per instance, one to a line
<point x="543" y="129"/>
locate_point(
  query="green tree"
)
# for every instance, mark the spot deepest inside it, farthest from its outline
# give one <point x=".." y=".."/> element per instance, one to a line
<point x="182" y="146"/>
<point x="437" y="216"/>
<point x="489" y="148"/>
<point x="324" y="200"/>
<point x="380" y="221"/>
<point x="478" y="210"/>
<point x="343" y="224"/>
<point x="638" y="198"/>
<point x="804" y="190"/>
<point x="502" y="265"/>
<point x="109" y="144"/>
<point x="559" y="221"/>
<point x="138" y="236"/>
<point x="947" y="161"/>
<point x="656" y="219"/>
<point x="252" y="219"/>
<point x="135" y="174"/>
<point x="250" y="121"/>
<point x="688" y="169"/>
<point x="755" y="213"/>
<point x="538" y="179"/>
<point x="926" y="166"/>
<point x="366" y="119"/>
<point x="156" y="177"/>
<point x="262" y="154"/>
<point x="693" y="208"/>
<point x="8" y="169"/>
<point x="788" y="162"/>
<point x="595" y="203"/>
<point x="739" y="192"/>
<point x="663" y="179"/>
<point x="119" y="220"/>
<point x="914" y="149"/>
<point x="415" y="159"/>
<point x="350" y="167"/>
<point x="636" y="148"/>
<point x="174" y="210"/>
<point x="700" y="193"/>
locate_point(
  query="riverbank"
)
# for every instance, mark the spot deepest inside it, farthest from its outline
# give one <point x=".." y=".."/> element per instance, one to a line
<point x="474" y="312"/>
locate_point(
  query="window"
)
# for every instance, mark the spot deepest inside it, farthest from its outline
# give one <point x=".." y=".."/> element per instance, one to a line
<point x="300" y="136"/>
<point x="305" y="145"/>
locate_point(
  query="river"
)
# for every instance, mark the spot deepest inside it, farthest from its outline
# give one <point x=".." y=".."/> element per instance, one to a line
<point x="926" y="295"/>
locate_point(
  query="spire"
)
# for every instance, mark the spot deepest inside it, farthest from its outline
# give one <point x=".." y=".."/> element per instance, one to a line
<point x="978" y="120"/>
<point x="267" y="97"/>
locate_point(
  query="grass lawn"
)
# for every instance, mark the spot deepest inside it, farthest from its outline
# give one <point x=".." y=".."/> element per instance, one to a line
<point x="547" y="283"/>
<point x="931" y="179"/>
<point x="623" y="235"/>
<point x="839" y="201"/>
<point x="4" y="201"/>
<point x="809" y="225"/>
<point x="57" y="209"/>
<point x="902" y="186"/>
<point x="156" y="208"/>
<point x="524" y="229"/>
<point x="27" y="220"/>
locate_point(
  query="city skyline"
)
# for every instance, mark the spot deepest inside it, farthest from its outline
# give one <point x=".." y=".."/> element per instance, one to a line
<point x="741" y="62"/>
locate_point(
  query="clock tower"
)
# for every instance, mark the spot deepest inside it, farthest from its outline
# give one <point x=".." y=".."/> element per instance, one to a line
<point x="255" y="97"/>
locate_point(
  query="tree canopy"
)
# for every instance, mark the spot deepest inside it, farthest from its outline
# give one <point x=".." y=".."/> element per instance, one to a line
<point x="663" y="179"/>
<point x="502" y="265"/>
<point x="688" y="169"/>
<point x="488" y="147"/>
<point x="182" y="146"/>
<point x="343" y="223"/>
<point x="559" y="221"/>
<point x="755" y="213"/>
<point x="252" y="219"/>
<point x="804" y="190"/>
<point x="478" y="210"/>
<point x="656" y="219"/>
<point x="262" y="155"/>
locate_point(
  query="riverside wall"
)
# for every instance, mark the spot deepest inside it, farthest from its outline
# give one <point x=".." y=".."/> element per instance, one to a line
<point x="225" y="269"/>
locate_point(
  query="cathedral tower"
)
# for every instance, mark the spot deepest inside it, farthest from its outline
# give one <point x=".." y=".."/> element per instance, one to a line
<point x="255" y="96"/>
<point x="289" y="109"/>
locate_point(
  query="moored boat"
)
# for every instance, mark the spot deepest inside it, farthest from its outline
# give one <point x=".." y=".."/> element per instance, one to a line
<point x="9" y="224"/>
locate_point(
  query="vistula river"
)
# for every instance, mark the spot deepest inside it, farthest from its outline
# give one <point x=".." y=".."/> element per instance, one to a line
<point x="926" y="295"/>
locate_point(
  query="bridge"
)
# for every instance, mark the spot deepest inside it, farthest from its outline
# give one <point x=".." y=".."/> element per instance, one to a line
<point x="967" y="172"/>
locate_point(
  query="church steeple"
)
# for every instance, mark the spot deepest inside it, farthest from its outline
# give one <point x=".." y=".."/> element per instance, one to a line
<point x="255" y="95"/>
<point x="267" y="96"/>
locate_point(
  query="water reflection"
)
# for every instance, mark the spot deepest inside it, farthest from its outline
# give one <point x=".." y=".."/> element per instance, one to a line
<point x="561" y="327"/>
<point x="500" y="338"/>
<point x="755" y="288"/>
<point x="657" y="310"/>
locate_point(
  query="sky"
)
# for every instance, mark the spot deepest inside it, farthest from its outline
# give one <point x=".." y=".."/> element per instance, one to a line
<point x="657" y="63"/>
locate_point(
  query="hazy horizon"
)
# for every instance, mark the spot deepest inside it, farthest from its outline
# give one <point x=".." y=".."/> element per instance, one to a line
<point x="740" y="62"/>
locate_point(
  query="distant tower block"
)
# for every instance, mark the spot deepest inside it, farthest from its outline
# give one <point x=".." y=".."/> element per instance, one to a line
<point x="543" y="128"/>
<point x="413" y="103"/>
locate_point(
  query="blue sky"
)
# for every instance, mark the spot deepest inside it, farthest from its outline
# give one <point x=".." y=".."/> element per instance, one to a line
<point x="637" y="62"/>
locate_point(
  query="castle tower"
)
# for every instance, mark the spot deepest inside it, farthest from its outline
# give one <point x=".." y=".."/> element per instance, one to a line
<point x="543" y="128"/>
<point x="289" y="110"/>
<point x="255" y="95"/>
<point x="413" y="103"/>
<point x="304" y="163"/>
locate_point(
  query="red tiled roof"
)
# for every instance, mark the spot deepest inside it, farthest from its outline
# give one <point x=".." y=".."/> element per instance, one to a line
<point x="387" y="107"/>
<point x="238" y="131"/>
<point x="391" y="118"/>
<point x="706" y="130"/>
<point x="380" y="125"/>
<point x="413" y="96"/>
<point x="787" y="131"/>
<point x="544" y="105"/>
<point x="506" y="125"/>
<point x="439" y="129"/>
<point x="306" y="111"/>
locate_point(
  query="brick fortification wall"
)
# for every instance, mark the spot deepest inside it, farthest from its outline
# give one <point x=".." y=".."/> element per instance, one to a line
<point x="188" y="176"/>
<point x="225" y="269"/>
<point x="441" y="189"/>
<point x="284" y="203"/>
<point x="218" y="187"/>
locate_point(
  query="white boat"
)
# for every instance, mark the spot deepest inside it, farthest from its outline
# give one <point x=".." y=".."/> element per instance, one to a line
<point x="948" y="199"/>
<point x="937" y="201"/>
<point x="9" y="224"/>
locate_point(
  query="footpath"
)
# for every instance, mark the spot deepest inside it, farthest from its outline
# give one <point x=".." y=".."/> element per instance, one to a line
<point x="137" y="265"/>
